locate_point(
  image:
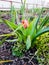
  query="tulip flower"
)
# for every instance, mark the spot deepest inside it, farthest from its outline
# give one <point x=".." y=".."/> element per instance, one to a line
<point x="25" y="23"/>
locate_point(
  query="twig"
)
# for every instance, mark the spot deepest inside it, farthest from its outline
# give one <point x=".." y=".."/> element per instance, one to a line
<point x="24" y="57"/>
<point x="30" y="59"/>
<point x="32" y="63"/>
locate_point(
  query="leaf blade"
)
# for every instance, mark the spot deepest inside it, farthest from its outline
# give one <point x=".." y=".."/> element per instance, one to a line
<point x="28" y="43"/>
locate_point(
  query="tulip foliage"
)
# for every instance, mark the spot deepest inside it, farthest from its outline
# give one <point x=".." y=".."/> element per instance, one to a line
<point x="29" y="30"/>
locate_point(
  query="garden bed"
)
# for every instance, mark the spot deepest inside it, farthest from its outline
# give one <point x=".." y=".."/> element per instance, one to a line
<point x="23" y="43"/>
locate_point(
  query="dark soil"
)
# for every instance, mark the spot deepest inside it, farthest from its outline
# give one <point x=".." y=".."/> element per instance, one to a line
<point x="27" y="59"/>
<point x="6" y="52"/>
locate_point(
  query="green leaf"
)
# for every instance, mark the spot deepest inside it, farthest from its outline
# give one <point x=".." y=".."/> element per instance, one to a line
<point x="13" y="26"/>
<point x="18" y="28"/>
<point x="7" y="35"/>
<point x="28" y="42"/>
<point x="13" y="14"/>
<point x="3" y="40"/>
<point x="44" y="21"/>
<point x="20" y="37"/>
<point x="38" y="20"/>
<point x="22" y="34"/>
<point x="32" y="27"/>
<point x="42" y="31"/>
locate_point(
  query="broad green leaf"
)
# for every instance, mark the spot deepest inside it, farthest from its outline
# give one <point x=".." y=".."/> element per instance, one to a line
<point x="40" y="32"/>
<point x="18" y="28"/>
<point x="7" y="35"/>
<point x="22" y="9"/>
<point x="38" y="20"/>
<point x="13" y="14"/>
<point x="32" y="27"/>
<point x="13" y="26"/>
<point x="28" y="42"/>
<point x="44" y="21"/>
<point x="20" y="36"/>
<point x="22" y="33"/>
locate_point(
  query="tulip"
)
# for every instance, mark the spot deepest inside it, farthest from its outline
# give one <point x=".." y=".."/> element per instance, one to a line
<point x="25" y="23"/>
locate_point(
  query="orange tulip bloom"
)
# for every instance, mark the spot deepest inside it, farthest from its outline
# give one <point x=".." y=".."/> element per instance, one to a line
<point x="25" y="23"/>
